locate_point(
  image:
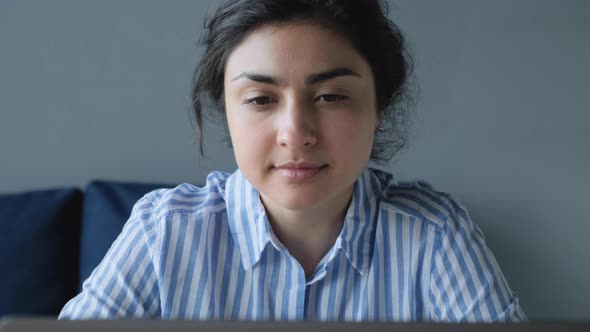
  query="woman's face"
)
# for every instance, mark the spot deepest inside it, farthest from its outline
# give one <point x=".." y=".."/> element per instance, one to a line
<point x="301" y="111"/>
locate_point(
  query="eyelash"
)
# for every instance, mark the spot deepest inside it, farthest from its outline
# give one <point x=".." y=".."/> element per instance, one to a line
<point x="339" y="98"/>
<point x="255" y="101"/>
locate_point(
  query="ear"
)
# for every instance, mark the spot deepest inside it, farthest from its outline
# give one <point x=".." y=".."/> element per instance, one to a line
<point x="379" y="118"/>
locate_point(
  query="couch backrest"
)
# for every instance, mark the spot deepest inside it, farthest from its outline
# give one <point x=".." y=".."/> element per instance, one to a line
<point x="51" y="241"/>
<point x="39" y="241"/>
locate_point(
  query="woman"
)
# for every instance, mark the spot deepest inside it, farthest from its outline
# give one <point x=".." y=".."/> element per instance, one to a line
<point x="310" y="92"/>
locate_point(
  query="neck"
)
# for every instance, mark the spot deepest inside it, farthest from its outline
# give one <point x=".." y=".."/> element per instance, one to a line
<point x="308" y="234"/>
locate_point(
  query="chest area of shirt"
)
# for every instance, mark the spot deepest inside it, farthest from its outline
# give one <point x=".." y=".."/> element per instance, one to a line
<point x="275" y="288"/>
<point x="205" y="278"/>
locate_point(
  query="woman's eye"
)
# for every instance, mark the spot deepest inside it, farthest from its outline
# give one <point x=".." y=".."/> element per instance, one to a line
<point x="259" y="101"/>
<point x="331" y="98"/>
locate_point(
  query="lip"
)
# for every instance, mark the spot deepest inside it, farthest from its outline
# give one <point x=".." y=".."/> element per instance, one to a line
<point x="300" y="165"/>
<point x="297" y="172"/>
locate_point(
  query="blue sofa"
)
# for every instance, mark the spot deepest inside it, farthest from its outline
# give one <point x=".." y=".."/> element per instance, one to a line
<point x="51" y="240"/>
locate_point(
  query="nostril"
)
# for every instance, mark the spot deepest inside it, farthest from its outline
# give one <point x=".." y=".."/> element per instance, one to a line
<point x="296" y="139"/>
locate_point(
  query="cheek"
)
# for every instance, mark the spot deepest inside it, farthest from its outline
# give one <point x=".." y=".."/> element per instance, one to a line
<point x="250" y="139"/>
<point x="352" y="135"/>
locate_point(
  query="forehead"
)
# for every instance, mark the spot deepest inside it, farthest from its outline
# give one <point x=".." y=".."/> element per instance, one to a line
<point x="290" y="49"/>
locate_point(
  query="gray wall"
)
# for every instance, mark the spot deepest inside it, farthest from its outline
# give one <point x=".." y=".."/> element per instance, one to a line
<point x="99" y="89"/>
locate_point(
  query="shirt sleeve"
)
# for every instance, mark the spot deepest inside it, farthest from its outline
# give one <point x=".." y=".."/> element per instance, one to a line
<point x="466" y="284"/>
<point x="124" y="285"/>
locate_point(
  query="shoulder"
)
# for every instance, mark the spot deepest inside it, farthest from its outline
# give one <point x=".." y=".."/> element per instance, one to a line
<point x="419" y="200"/>
<point x="186" y="198"/>
<point x="172" y="214"/>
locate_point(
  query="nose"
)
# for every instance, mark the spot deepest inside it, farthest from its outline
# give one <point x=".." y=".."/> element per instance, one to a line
<point x="297" y="128"/>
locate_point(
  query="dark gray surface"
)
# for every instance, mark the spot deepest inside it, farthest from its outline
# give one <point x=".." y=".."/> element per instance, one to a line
<point x="219" y="326"/>
<point x="99" y="89"/>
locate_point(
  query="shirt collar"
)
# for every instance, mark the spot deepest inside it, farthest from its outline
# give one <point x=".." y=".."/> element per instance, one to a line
<point x="247" y="219"/>
<point x="356" y="238"/>
<point x="251" y="230"/>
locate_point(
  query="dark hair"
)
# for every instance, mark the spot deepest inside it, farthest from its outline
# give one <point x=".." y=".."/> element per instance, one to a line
<point x="363" y="22"/>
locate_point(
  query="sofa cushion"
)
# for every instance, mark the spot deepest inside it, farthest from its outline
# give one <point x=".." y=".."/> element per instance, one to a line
<point x="39" y="241"/>
<point x="107" y="206"/>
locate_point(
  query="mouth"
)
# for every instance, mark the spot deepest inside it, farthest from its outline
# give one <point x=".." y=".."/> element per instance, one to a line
<point x="299" y="172"/>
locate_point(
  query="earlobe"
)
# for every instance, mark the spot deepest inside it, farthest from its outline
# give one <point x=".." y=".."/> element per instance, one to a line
<point x="378" y="127"/>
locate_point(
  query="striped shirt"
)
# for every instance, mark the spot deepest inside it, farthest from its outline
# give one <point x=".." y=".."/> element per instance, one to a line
<point x="405" y="253"/>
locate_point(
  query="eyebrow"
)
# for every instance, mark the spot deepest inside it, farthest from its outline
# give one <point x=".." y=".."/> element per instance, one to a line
<point x="309" y="80"/>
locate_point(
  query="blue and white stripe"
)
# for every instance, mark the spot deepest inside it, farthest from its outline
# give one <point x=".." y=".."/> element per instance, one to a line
<point x="405" y="253"/>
